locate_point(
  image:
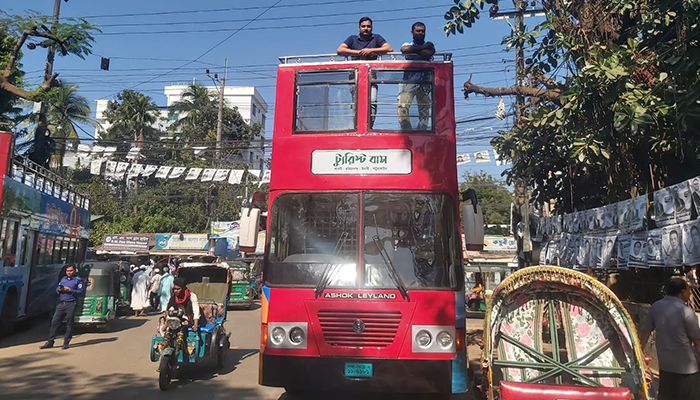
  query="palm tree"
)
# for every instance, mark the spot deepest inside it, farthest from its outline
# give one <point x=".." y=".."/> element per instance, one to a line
<point x="200" y="109"/>
<point x="66" y="110"/>
<point x="132" y="113"/>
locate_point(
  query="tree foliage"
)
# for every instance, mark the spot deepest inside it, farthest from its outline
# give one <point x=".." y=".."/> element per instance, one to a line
<point x="9" y="103"/>
<point x="494" y="197"/>
<point x="613" y="99"/>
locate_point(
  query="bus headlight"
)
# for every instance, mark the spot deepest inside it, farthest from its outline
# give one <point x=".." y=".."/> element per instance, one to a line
<point x="444" y="339"/>
<point x="296" y="335"/>
<point x="277" y="336"/>
<point x="423" y="339"/>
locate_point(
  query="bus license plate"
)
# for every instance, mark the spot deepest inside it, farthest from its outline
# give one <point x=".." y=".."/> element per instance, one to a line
<point x="356" y="370"/>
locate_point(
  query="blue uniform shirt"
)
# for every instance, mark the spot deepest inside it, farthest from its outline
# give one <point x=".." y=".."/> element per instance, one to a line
<point x="76" y="287"/>
<point x="355" y="42"/>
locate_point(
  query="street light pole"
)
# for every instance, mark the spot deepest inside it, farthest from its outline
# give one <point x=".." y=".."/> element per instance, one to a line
<point x="221" y="114"/>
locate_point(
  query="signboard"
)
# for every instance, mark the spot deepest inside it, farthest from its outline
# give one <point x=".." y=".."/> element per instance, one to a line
<point x="361" y="162"/>
<point x="225" y="229"/>
<point x="499" y="244"/>
<point x="186" y="241"/>
<point x="126" y="242"/>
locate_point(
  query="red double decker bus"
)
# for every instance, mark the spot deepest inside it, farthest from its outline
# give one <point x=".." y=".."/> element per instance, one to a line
<point x="363" y="278"/>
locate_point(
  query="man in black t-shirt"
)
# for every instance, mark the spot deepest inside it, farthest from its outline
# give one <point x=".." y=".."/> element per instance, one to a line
<point x="366" y="45"/>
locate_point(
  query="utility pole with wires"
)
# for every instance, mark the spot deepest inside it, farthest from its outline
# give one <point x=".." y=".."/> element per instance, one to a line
<point x="220" y="120"/>
<point x="42" y="154"/>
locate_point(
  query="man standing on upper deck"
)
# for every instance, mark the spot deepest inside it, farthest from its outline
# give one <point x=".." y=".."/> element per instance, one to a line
<point x="366" y="45"/>
<point x="417" y="85"/>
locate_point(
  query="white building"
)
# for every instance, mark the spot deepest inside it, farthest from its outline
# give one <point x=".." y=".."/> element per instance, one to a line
<point x="247" y="99"/>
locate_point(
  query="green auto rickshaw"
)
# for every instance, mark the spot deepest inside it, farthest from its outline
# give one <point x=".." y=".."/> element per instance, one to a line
<point x="242" y="292"/>
<point x="98" y="306"/>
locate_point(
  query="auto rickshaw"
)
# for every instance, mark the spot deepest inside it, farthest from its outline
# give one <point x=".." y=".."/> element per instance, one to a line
<point x="98" y="306"/>
<point x="171" y="345"/>
<point x="242" y="292"/>
<point x="554" y="333"/>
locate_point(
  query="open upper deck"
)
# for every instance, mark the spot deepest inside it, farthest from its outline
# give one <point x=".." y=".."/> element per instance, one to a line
<point x="386" y="123"/>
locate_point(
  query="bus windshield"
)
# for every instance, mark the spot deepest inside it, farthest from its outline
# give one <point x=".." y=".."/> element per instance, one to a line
<point x="315" y="232"/>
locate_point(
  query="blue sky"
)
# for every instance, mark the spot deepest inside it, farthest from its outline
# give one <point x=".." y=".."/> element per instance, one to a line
<point x="155" y="43"/>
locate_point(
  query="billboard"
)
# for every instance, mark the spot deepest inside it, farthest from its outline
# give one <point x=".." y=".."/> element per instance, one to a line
<point x="225" y="229"/>
<point x="126" y="242"/>
<point x="185" y="241"/>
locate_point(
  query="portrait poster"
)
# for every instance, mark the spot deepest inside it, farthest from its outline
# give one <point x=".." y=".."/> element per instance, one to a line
<point x="121" y="169"/>
<point x="537" y="225"/>
<point x="691" y="242"/>
<point x="695" y="193"/>
<point x="176" y="172"/>
<point x="624" y="211"/>
<point x="607" y="220"/>
<point x="682" y="201"/>
<point x="577" y="222"/>
<point x="595" y="261"/>
<point x="653" y="248"/>
<point x="672" y="250"/>
<point x="163" y="172"/>
<point x="567" y="222"/>
<point x="664" y="207"/>
<point x="584" y="252"/>
<point x="111" y="168"/>
<point x="592" y="223"/>
<point x="624" y="243"/>
<point x="193" y="174"/>
<point x="571" y="251"/>
<point x="551" y="253"/>
<point x="608" y="253"/>
<point x="638" y="252"/>
<point x="638" y="210"/>
<point x="558" y="221"/>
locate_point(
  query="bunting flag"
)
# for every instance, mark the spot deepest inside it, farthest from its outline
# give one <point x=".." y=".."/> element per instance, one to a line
<point x="163" y="172"/>
<point x="134" y="171"/>
<point x="193" y="174"/>
<point x="482" y="157"/>
<point x="109" y="151"/>
<point x="177" y="172"/>
<point x="121" y="169"/>
<point x="255" y="173"/>
<point x="266" y="177"/>
<point x="198" y="150"/>
<point x="83" y="151"/>
<point x="463" y="159"/>
<point x="220" y="175"/>
<point x="236" y="176"/>
<point x="498" y="159"/>
<point x="133" y="153"/>
<point x="95" y="166"/>
<point x="148" y="170"/>
<point x="70" y="158"/>
<point x="97" y="151"/>
<point x="208" y="174"/>
<point x="111" y="168"/>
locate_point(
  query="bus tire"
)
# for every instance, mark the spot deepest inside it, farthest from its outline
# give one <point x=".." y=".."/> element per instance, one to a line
<point x="8" y="315"/>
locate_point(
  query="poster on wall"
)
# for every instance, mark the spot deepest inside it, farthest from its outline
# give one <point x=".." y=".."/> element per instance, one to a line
<point x="671" y="246"/>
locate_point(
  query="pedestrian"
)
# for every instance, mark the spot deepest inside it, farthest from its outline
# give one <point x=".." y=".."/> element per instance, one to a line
<point x="677" y="342"/>
<point x="139" y="292"/>
<point x="154" y="295"/>
<point x="166" y="286"/>
<point x="366" y="45"/>
<point x="69" y="288"/>
<point x="418" y="84"/>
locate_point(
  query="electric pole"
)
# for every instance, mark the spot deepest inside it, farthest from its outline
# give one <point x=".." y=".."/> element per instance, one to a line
<point x="221" y="113"/>
<point x="41" y="152"/>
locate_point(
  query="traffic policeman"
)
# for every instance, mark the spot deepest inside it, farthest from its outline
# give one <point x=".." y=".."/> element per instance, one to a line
<point x="69" y="288"/>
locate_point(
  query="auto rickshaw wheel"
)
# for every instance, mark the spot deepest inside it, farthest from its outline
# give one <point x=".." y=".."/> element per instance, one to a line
<point x="222" y="352"/>
<point x="165" y="373"/>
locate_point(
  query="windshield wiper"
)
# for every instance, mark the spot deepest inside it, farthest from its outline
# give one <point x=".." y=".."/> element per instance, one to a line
<point x="393" y="273"/>
<point x="331" y="269"/>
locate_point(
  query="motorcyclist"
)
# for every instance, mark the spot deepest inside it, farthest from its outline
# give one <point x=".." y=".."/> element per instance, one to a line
<point x="183" y="298"/>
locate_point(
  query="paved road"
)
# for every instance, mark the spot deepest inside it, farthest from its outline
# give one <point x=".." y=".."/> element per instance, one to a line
<point x="116" y="365"/>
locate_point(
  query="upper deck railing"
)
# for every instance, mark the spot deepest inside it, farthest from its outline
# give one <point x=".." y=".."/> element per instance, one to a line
<point x="335" y="58"/>
<point x="33" y="175"/>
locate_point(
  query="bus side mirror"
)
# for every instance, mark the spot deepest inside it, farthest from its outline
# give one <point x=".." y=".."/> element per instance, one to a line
<point x="248" y="239"/>
<point x="472" y="222"/>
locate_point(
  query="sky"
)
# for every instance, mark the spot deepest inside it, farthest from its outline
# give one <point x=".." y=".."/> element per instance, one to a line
<point x="156" y="43"/>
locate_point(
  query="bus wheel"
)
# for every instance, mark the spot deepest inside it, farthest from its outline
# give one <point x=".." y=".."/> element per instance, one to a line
<point x="8" y="315"/>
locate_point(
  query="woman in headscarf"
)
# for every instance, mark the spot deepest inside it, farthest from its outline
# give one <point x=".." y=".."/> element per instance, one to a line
<point x="139" y="292"/>
<point x="166" y="286"/>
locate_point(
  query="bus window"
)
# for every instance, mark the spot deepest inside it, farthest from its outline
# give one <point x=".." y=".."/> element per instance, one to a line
<point x="25" y="252"/>
<point x="310" y="231"/>
<point x="415" y="232"/>
<point x="10" y="243"/>
<point x="64" y="250"/>
<point x="404" y="100"/>
<point x="326" y="101"/>
<point x="3" y="232"/>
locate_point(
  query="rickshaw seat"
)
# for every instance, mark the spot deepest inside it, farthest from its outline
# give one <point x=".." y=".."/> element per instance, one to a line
<point x="535" y="391"/>
<point x="208" y="328"/>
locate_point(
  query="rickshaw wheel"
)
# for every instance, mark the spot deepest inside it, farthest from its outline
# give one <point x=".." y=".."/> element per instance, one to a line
<point x="165" y="374"/>
<point x="223" y="353"/>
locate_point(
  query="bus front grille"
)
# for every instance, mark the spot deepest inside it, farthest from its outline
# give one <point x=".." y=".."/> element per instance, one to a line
<point x="343" y="328"/>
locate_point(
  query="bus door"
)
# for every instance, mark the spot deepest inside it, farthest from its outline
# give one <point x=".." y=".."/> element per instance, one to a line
<point x="24" y="251"/>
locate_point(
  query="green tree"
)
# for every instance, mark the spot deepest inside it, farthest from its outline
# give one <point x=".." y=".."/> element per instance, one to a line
<point x="65" y="109"/>
<point x="613" y="89"/>
<point x="200" y="114"/>
<point x="495" y="199"/>
<point x="9" y="103"/>
<point x="132" y="117"/>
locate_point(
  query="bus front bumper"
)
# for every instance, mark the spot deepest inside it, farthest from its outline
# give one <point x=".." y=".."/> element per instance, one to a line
<point x="328" y="374"/>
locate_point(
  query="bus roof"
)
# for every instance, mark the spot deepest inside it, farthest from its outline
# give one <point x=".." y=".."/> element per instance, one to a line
<point x="319" y="59"/>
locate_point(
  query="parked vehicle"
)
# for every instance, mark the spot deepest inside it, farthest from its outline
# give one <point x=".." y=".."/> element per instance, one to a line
<point x="173" y="345"/>
<point x="242" y="288"/>
<point x="554" y="333"/>
<point x="98" y="306"/>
